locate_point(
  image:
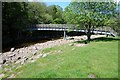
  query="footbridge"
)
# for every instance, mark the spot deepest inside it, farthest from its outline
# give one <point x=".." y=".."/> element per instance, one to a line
<point x="67" y="27"/>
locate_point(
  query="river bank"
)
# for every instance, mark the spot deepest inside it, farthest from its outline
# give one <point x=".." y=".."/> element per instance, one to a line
<point x="30" y="53"/>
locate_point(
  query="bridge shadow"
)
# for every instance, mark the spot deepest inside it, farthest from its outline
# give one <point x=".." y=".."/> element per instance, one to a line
<point x="104" y="39"/>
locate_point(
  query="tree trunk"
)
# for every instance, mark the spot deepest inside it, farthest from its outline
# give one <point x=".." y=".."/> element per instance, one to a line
<point x="89" y="32"/>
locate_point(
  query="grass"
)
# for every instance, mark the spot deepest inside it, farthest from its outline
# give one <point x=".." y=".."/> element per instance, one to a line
<point x="99" y="57"/>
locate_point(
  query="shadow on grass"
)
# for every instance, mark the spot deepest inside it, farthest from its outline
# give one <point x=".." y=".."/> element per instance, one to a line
<point x="104" y="39"/>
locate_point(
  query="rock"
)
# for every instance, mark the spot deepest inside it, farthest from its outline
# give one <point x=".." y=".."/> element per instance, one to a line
<point x="71" y="44"/>
<point x="34" y="53"/>
<point x="23" y="61"/>
<point x="44" y="55"/>
<point x="12" y="49"/>
<point x="26" y="58"/>
<point x="4" y="61"/>
<point x="32" y="61"/>
<point x="2" y="75"/>
<point x="12" y="76"/>
<point x="91" y="76"/>
<point x="1" y="67"/>
<point x="85" y="42"/>
<point x="12" y="55"/>
<point x="6" y="64"/>
<point x="1" y="60"/>
<point x="31" y="58"/>
<point x="82" y="38"/>
<point x="17" y="62"/>
<point x="38" y="56"/>
<point x="35" y="48"/>
<point x="18" y="58"/>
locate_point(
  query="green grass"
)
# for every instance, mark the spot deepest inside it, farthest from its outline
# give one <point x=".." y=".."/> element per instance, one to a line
<point x="99" y="57"/>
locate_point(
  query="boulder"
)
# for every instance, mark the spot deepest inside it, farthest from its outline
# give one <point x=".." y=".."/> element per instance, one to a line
<point x="1" y="67"/>
<point x="2" y="75"/>
<point x="44" y="55"/>
<point x="31" y="58"/>
<point x="4" y="61"/>
<point x="71" y="44"/>
<point x="34" y="53"/>
<point x="1" y="60"/>
<point x="35" y="48"/>
<point x="23" y="61"/>
<point x="12" y="49"/>
<point x="82" y="38"/>
<point x="86" y="42"/>
<point x="26" y="58"/>
<point x="91" y="76"/>
<point x="18" y="58"/>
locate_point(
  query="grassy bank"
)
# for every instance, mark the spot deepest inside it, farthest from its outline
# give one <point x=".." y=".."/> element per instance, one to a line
<point x="98" y="58"/>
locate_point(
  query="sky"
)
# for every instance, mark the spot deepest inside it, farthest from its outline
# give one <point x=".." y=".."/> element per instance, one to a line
<point x="62" y="3"/>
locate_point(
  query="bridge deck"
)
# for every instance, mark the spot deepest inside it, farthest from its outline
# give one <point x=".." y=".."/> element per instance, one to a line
<point x="65" y="27"/>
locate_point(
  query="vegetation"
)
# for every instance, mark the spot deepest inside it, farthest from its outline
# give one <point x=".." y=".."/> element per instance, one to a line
<point x="17" y="15"/>
<point x="90" y="15"/>
<point x="100" y="58"/>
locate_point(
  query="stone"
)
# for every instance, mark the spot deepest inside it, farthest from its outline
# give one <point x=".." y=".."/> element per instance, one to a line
<point x="31" y="58"/>
<point x="26" y="58"/>
<point x="44" y="55"/>
<point x="4" y="61"/>
<point x="12" y="76"/>
<point x="17" y="62"/>
<point x="71" y="44"/>
<point x="18" y="58"/>
<point x="1" y="60"/>
<point x="2" y="75"/>
<point x="34" y="53"/>
<point x="12" y="55"/>
<point x="38" y="56"/>
<point x="85" y="42"/>
<point x="23" y="61"/>
<point x="1" y="67"/>
<point x="35" y="48"/>
<point x="32" y="61"/>
<point x="91" y="76"/>
<point x="12" y="49"/>
<point x="82" y="39"/>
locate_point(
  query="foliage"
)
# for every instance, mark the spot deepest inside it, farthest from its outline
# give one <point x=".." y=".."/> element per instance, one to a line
<point x="89" y="15"/>
<point x="14" y="18"/>
<point x="56" y="12"/>
<point x="35" y="12"/>
<point x="17" y="15"/>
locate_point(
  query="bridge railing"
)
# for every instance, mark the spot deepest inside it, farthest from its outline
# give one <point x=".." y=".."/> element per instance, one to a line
<point x="65" y="26"/>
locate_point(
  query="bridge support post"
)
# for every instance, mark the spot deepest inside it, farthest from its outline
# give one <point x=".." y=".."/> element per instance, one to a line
<point x="64" y="35"/>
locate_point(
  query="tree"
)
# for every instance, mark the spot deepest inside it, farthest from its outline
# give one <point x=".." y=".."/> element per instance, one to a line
<point x="36" y="12"/>
<point x="56" y="12"/>
<point x="14" y="18"/>
<point x="89" y="15"/>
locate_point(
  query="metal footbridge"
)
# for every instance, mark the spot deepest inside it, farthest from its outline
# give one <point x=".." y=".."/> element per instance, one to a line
<point x="67" y="27"/>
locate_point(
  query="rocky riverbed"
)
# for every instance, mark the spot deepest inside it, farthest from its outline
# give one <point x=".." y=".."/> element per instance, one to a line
<point x="33" y="52"/>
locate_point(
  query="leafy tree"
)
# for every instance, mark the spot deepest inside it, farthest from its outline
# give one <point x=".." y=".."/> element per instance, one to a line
<point x="89" y="15"/>
<point x="36" y="12"/>
<point x="56" y="12"/>
<point x="14" y="17"/>
<point x="47" y="18"/>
